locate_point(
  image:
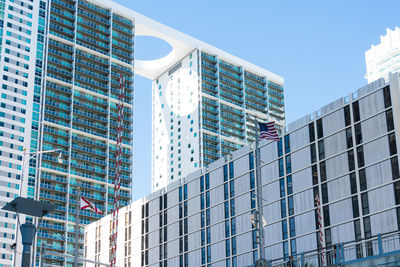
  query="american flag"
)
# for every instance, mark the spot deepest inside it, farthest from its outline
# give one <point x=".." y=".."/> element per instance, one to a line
<point x="268" y="131"/>
<point x="86" y="204"/>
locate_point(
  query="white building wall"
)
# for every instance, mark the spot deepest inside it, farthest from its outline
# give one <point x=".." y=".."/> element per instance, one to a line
<point x="348" y="200"/>
<point x="176" y="122"/>
<point x="384" y="58"/>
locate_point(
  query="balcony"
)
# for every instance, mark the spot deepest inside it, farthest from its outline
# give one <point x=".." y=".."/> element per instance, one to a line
<point x="89" y="141"/>
<point x="254" y="77"/>
<point x="230" y="66"/>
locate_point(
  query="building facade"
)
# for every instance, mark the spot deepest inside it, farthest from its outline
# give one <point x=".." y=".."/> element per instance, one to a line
<point x="346" y="154"/>
<point x="61" y="63"/>
<point x="384" y="57"/>
<point x="60" y="66"/>
<point x="204" y="109"/>
<point x="21" y="50"/>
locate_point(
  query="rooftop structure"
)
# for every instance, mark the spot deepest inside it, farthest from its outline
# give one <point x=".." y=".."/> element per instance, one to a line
<point x="384" y="58"/>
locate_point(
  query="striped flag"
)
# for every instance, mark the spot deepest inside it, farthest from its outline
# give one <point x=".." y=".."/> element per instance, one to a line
<point x="268" y="131"/>
<point x="86" y="204"/>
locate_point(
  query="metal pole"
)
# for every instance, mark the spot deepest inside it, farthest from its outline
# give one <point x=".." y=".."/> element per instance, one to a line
<point x="41" y="255"/>
<point x="259" y="194"/>
<point x="77" y="225"/>
<point x="21" y="179"/>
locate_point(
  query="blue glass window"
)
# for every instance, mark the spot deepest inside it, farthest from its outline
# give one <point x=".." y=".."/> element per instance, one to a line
<point x="231" y="170"/>
<point x="284" y="230"/>
<point x="251" y="161"/>
<point x="207" y="181"/>
<point x="281" y="170"/>
<point x="227" y="228"/>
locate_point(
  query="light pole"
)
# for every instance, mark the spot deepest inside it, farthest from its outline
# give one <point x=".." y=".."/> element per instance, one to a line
<point x="26" y="157"/>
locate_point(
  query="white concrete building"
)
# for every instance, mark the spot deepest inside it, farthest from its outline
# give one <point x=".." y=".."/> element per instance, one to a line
<point x="202" y="109"/>
<point x="346" y="154"/>
<point x="384" y="58"/>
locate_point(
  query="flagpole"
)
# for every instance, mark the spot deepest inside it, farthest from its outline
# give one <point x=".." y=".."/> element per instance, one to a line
<point x="78" y="207"/>
<point x="259" y="193"/>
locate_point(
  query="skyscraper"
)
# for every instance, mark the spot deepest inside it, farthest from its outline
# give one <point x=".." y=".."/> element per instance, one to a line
<point x="204" y="108"/>
<point x="384" y="57"/>
<point x="61" y="64"/>
<point x="21" y="47"/>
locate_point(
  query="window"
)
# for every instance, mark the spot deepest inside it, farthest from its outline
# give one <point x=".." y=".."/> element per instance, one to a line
<point x="233" y="226"/>
<point x="232" y="188"/>
<point x="207" y="181"/>
<point x="227" y="248"/>
<point x="251" y="161"/>
<point x="349" y="138"/>
<point x="282" y="187"/>
<point x="354" y="201"/>
<point x="364" y="203"/>
<point x="288" y="164"/>
<point x="292" y="227"/>
<point x="279" y="145"/>
<point x="252" y="180"/>
<point x="320" y="131"/>
<point x="347" y="119"/>
<point x="324" y="188"/>
<point x="227" y="228"/>
<point x="231" y="173"/>
<point x="363" y="180"/>
<point x="357" y="229"/>
<point x="226" y="195"/>
<point x="353" y="183"/>
<point x="360" y="156"/>
<point x="311" y="132"/>
<point x="396" y="187"/>
<point x="281" y="172"/>
<point x="322" y="169"/>
<point x="225" y="173"/>
<point x="291" y="206"/>
<point x="285" y="249"/>
<point x="283" y="208"/>
<point x="284" y="230"/>
<point x="356" y="111"/>
<point x="293" y="246"/>
<point x="314" y="171"/>
<point x="287" y="143"/>
<point x="395" y="167"/>
<point x="386" y="97"/>
<point x="232" y="207"/>
<point x="389" y="120"/>
<point x="392" y="144"/>
<point x="313" y="153"/>
<point x="358" y="134"/>
<point x="202" y="184"/>
<point x="327" y="220"/>
<point x="321" y="150"/>
<point x="350" y="158"/>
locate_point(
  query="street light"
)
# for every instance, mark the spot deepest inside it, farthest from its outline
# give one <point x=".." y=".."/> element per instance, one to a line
<point x="27" y="156"/>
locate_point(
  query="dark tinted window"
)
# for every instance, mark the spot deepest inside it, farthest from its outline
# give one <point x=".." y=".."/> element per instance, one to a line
<point x="386" y="97"/>
<point x="356" y="111"/>
<point x="347" y="119"/>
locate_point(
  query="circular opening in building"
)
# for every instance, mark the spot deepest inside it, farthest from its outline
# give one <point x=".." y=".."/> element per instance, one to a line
<point x="151" y="48"/>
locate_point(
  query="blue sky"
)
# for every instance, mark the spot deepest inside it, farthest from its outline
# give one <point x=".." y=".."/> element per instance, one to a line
<point x="317" y="46"/>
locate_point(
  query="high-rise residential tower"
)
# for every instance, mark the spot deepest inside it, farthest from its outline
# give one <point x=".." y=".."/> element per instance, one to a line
<point x="61" y="63"/>
<point x="60" y="66"/>
<point x="21" y="66"/>
<point x="384" y="58"/>
<point x="204" y="108"/>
